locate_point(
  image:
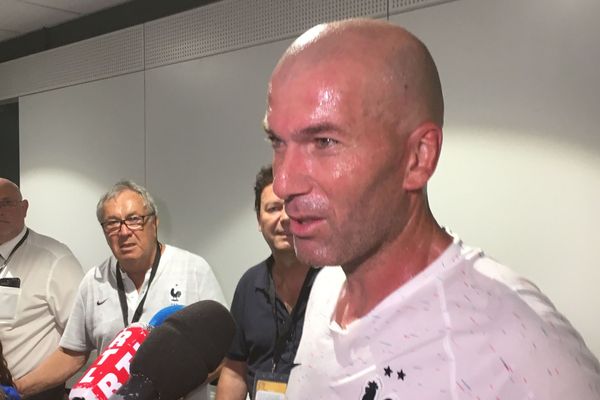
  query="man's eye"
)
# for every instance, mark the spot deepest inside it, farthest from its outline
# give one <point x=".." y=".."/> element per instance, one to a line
<point x="325" y="142"/>
<point x="275" y="141"/>
<point x="134" y="220"/>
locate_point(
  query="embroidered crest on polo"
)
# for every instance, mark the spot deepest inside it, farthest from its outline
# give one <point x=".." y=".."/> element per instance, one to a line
<point x="175" y="294"/>
<point x="374" y="388"/>
<point x="381" y="387"/>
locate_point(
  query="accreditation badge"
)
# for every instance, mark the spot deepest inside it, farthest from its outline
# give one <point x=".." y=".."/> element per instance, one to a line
<point x="9" y="303"/>
<point x="270" y="386"/>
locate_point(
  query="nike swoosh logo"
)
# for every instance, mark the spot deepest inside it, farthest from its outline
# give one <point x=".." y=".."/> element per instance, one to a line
<point x="100" y="302"/>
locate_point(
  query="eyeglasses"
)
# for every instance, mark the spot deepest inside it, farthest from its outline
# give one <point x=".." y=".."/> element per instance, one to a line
<point x="134" y="223"/>
<point x="9" y="203"/>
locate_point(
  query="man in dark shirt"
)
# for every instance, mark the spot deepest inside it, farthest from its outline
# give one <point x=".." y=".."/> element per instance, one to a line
<point x="268" y="306"/>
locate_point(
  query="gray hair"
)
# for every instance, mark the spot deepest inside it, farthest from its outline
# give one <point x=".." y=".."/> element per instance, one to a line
<point x="120" y="187"/>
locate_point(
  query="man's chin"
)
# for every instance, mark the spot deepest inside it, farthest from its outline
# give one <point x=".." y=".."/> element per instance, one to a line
<point x="284" y="244"/>
<point x="313" y="254"/>
<point x="125" y="256"/>
<point x="284" y="247"/>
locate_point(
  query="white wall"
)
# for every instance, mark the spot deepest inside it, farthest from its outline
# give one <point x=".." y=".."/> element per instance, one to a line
<point x="518" y="176"/>
<point x="205" y="146"/>
<point x="75" y="143"/>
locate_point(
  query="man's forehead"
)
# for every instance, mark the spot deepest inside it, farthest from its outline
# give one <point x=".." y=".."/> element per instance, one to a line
<point x="315" y="100"/>
<point x="125" y="198"/>
<point x="9" y="192"/>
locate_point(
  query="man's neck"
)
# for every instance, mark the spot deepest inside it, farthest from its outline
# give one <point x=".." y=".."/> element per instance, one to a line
<point x="136" y="272"/>
<point x="375" y="278"/>
<point x="12" y="235"/>
<point x="288" y="275"/>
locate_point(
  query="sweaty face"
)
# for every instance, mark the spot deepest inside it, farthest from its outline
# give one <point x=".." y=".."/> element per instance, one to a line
<point x="337" y="164"/>
<point x="272" y="221"/>
<point x="12" y="212"/>
<point x="130" y="246"/>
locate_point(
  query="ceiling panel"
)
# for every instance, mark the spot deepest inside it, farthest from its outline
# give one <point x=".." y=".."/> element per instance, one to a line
<point x="18" y="17"/>
<point x="79" y="6"/>
<point x="24" y="17"/>
<point x="6" y="34"/>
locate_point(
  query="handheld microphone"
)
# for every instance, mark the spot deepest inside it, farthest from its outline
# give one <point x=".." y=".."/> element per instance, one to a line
<point x="110" y="370"/>
<point x="177" y="356"/>
<point x="10" y="392"/>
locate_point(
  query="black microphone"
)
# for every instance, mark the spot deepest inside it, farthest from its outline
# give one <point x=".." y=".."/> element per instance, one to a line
<point x="178" y="355"/>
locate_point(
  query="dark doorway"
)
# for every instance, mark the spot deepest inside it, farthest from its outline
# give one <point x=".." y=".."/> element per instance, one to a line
<point x="9" y="141"/>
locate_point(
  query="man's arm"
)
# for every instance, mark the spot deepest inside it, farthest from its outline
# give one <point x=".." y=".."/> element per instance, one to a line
<point x="53" y="371"/>
<point x="232" y="382"/>
<point x="62" y="288"/>
<point x="214" y="375"/>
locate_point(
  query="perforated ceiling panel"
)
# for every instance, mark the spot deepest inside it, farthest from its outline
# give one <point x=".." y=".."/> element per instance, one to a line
<point x="216" y="28"/>
<point x="398" y="6"/>
<point x="234" y="24"/>
<point x="101" y="57"/>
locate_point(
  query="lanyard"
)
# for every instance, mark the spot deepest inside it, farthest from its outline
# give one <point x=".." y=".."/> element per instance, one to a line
<point x="121" y="289"/>
<point x="290" y="322"/>
<point x="15" y="249"/>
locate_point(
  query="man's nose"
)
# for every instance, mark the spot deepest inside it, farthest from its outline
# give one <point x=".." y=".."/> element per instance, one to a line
<point x="124" y="230"/>
<point x="290" y="177"/>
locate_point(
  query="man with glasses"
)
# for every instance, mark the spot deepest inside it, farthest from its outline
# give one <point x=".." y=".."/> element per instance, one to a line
<point x="39" y="277"/>
<point x="141" y="277"/>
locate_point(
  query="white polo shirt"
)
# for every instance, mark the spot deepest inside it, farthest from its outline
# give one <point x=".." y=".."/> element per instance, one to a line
<point x="33" y="316"/>
<point x="181" y="278"/>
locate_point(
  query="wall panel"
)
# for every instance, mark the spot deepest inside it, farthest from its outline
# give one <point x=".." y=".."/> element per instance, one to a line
<point x="75" y="143"/>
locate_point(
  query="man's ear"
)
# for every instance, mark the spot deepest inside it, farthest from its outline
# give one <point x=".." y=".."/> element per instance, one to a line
<point x="25" y="205"/>
<point x="422" y="152"/>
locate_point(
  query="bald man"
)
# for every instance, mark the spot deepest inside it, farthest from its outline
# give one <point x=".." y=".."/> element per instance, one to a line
<point x="39" y="277"/>
<point x="355" y="115"/>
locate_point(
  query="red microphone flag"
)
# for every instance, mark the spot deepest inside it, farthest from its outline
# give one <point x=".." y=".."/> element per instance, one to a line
<point x="111" y="369"/>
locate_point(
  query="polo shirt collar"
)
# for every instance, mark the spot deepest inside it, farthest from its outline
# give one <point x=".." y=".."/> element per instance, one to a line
<point x="262" y="281"/>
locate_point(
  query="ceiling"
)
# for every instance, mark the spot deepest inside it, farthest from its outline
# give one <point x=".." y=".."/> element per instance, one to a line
<point x="18" y="17"/>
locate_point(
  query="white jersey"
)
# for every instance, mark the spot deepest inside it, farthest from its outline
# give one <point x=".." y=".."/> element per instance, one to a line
<point x="465" y="328"/>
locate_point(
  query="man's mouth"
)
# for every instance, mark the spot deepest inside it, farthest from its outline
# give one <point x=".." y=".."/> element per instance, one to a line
<point x="305" y="226"/>
<point x="126" y="246"/>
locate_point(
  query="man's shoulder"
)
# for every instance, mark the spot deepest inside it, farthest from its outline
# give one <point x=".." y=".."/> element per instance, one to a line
<point x="101" y="272"/>
<point x="255" y="274"/>
<point x="514" y="288"/>
<point x="520" y="322"/>
<point x="258" y="269"/>
<point x="183" y="259"/>
<point x="48" y="243"/>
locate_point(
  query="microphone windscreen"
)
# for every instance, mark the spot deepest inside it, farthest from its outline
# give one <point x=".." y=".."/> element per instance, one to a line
<point x="178" y="355"/>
